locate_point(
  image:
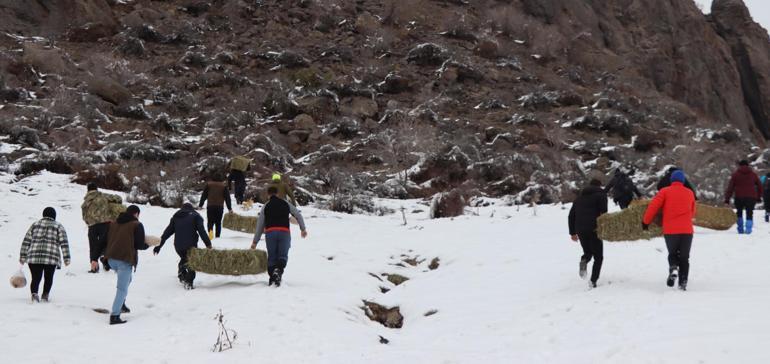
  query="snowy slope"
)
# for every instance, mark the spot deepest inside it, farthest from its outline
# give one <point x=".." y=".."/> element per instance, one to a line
<point x="506" y="291"/>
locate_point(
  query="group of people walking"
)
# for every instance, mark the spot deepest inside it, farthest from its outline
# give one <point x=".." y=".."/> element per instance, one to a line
<point x="115" y="242"/>
<point x="675" y="201"/>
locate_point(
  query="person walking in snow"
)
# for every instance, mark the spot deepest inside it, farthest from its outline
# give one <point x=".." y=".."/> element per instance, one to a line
<point x="591" y="204"/>
<point x="42" y="248"/>
<point x="678" y="205"/>
<point x="622" y="188"/>
<point x="273" y="221"/>
<point x="284" y="190"/>
<point x="218" y="195"/>
<point x="239" y="165"/>
<point x="766" y="195"/>
<point x="124" y="239"/>
<point x="97" y="214"/>
<point x="745" y="186"/>
<point x="665" y="181"/>
<point x="186" y="225"/>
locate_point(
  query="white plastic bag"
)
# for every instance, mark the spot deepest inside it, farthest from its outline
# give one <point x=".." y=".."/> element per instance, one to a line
<point x="18" y="280"/>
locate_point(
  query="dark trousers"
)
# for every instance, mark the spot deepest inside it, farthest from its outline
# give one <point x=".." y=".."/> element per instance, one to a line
<point x="679" y="253"/>
<point x="214" y="218"/>
<point x="185" y="274"/>
<point x="747" y="204"/>
<point x="97" y="235"/>
<point x="593" y="247"/>
<point x="278" y="244"/>
<point x="240" y="187"/>
<point x="37" y="271"/>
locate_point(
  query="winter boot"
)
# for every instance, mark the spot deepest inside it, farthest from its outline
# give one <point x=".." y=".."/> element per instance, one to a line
<point x="125" y="309"/>
<point x="673" y="273"/>
<point x="740" y="225"/>
<point x="583" y="267"/>
<point x="749" y="226"/>
<point x="593" y="284"/>
<point x="683" y="285"/>
<point x="767" y="216"/>
<point x="211" y="234"/>
<point x="35" y="298"/>
<point x="115" y="320"/>
<point x="277" y="274"/>
<point x="44" y="297"/>
<point x="105" y="264"/>
<point x="270" y="271"/>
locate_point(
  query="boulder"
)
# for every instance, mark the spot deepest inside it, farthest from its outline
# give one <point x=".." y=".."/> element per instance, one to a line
<point x="360" y="107"/>
<point x="427" y="54"/>
<point x="108" y="89"/>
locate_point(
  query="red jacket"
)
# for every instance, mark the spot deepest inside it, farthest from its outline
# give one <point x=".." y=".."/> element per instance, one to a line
<point x="745" y="184"/>
<point x="678" y="204"/>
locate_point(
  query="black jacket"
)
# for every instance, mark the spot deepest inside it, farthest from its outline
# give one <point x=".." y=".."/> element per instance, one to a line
<point x="591" y="203"/>
<point x="186" y="225"/>
<point x="622" y="187"/>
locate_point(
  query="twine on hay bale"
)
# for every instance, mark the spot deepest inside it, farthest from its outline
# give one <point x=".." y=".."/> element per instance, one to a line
<point x="244" y="224"/>
<point x="233" y="262"/>
<point x="626" y="225"/>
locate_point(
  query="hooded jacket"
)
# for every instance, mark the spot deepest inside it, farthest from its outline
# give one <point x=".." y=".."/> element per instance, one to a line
<point x="591" y="204"/>
<point x="217" y="194"/>
<point x="678" y="205"/>
<point x="744" y="183"/>
<point x="186" y="225"/>
<point x="124" y="238"/>
<point x="665" y="181"/>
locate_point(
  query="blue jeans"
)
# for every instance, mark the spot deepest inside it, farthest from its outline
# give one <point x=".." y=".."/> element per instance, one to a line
<point x="124" y="279"/>
<point x="278" y="244"/>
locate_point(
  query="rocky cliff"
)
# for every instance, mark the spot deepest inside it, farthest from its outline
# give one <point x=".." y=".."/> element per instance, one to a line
<point x="393" y="98"/>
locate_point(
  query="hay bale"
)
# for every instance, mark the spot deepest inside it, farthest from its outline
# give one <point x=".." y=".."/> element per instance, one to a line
<point x="626" y="225"/>
<point x="116" y="209"/>
<point x="152" y="240"/>
<point x="233" y="262"/>
<point x="240" y="163"/>
<point x="244" y="224"/>
<point x="714" y="217"/>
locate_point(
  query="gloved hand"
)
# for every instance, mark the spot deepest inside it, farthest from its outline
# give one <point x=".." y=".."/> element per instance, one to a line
<point x="645" y="226"/>
<point x="156" y="250"/>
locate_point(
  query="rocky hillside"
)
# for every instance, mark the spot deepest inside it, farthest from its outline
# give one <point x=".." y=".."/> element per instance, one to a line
<point x="390" y="98"/>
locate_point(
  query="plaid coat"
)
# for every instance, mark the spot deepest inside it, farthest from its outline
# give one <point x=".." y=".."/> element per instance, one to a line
<point x="43" y="242"/>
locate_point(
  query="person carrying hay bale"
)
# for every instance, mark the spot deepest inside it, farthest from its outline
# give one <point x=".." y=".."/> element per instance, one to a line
<point x="273" y="220"/>
<point x="239" y="165"/>
<point x="218" y="196"/>
<point x="745" y="185"/>
<point x="98" y="211"/>
<point x="43" y="245"/>
<point x="591" y="204"/>
<point x="622" y="188"/>
<point x="186" y="225"/>
<point x="282" y="186"/>
<point x="678" y="205"/>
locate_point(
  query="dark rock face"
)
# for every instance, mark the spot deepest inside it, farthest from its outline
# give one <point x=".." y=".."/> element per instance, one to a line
<point x="751" y="51"/>
<point x="408" y="98"/>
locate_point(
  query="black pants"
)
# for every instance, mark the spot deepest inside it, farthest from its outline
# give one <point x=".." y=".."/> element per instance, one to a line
<point x="766" y="198"/>
<point x="185" y="274"/>
<point x="214" y="218"/>
<point x="97" y="234"/>
<point x="37" y="271"/>
<point x="593" y="247"/>
<point x="745" y="203"/>
<point x="679" y="253"/>
<point x="240" y="188"/>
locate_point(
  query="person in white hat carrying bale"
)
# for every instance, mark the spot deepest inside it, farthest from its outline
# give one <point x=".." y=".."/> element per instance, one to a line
<point x="42" y="248"/>
<point x="273" y="221"/>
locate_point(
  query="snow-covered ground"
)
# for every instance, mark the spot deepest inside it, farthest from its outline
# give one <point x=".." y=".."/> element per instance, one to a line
<point x="507" y="291"/>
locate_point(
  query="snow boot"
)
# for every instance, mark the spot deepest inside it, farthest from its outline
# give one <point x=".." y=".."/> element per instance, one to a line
<point x="125" y="309"/>
<point x="583" y="267"/>
<point x="35" y="298"/>
<point x="593" y="284"/>
<point x="44" y="297"/>
<point x="277" y="275"/>
<point x="211" y="234"/>
<point x="683" y="285"/>
<point x="749" y="226"/>
<point x="740" y="225"/>
<point x="115" y="320"/>
<point x="767" y="216"/>
<point x="673" y="273"/>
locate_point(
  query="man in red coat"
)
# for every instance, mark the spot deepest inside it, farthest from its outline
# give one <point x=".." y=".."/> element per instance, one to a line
<point x="747" y="188"/>
<point x="678" y="205"/>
